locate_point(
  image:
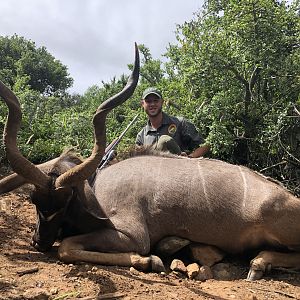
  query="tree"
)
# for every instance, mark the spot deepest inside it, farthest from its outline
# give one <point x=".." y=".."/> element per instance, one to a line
<point x="236" y="71"/>
<point x="40" y="82"/>
<point x="20" y="59"/>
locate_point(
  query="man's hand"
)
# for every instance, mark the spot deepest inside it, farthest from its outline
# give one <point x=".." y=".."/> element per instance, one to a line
<point x="199" y="152"/>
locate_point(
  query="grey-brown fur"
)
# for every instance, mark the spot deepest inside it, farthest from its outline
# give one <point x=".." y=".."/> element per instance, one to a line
<point x="149" y="151"/>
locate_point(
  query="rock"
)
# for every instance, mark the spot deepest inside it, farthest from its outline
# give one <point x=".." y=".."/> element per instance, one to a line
<point x="6" y="205"/>
<point x="205" y="255"/>
<point x="205" y="273"/>
<point x="53" y="291"/>
<point x="222" y="271"/>
<point x="134" y="271"/>
<point x="170" y="245"/>
<point x="193" y="270"/>
<point x="178" y="265"/>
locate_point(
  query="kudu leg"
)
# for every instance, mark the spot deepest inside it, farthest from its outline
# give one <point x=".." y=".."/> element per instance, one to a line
<point x="107" y="247"/>
<point x="266" y="260"/>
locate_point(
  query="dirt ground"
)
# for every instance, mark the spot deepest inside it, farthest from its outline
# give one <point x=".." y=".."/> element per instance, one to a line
<point x="28" y="274"/>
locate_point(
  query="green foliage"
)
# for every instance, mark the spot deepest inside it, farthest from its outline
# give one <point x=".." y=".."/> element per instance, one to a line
<point x="40" y="82"/>
<point x="20" y="59"/>
<point x="240" y="60"/>
<point x="234" y="72"/>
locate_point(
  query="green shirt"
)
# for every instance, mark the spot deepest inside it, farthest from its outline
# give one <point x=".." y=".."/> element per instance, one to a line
<point x="182" y="131"/>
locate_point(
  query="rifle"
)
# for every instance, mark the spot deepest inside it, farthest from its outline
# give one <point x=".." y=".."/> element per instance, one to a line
<point x="110" y="149"/>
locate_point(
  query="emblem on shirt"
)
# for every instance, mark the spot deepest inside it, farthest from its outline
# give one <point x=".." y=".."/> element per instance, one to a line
<point x="172" y="129"/>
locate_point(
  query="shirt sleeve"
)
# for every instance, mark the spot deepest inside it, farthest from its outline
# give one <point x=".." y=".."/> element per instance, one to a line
<point x="190" y="136"/>
<point x="139" y="140"/>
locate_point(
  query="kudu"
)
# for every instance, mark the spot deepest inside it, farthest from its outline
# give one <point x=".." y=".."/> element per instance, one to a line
<point x="140" y="201"/>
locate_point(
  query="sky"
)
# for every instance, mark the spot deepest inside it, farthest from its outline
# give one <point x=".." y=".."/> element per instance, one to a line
<point x="95" y="38"/>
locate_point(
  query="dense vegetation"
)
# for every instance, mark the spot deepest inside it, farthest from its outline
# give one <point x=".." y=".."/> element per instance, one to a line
<point x="234" y="72"/>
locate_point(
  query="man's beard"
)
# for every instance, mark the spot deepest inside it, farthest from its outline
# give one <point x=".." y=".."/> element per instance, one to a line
<point x="154" y="114"/>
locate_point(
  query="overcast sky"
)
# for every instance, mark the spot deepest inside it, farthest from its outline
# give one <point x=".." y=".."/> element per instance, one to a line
<point x="95" y="38"/>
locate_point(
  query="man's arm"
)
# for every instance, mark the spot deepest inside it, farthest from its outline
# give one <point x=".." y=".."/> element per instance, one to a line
<point x="193" y="139"/>
<point x="200" y="151"/>
<point x="138" y="139"/>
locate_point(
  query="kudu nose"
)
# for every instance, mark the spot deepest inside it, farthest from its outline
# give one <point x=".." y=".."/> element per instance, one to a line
<point x="39" y="247"/>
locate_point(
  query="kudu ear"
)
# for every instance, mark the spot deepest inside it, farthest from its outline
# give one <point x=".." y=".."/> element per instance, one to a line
<point x="14" y="181"/>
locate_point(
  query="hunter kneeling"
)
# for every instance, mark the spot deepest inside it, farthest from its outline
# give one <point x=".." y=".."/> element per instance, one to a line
<point x="168" y="133"/>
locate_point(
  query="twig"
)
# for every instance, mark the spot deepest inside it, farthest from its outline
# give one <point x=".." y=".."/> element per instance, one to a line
<point x="295" y="164"/>
<point x="110" y="296"/>
<point x="290" y="155"/>
<point x="27" y="271"/>
<point x="296" y="110"/>
<point x="275" y="165"/>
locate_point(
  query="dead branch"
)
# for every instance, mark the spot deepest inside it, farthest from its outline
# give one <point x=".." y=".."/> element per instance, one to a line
<point x="273" y="166"/>
<point x="27" y="271"/>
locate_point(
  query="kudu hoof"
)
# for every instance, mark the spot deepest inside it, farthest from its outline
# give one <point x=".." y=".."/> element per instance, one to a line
<point x="257" y="270"/>
<point x="254" y="275"/>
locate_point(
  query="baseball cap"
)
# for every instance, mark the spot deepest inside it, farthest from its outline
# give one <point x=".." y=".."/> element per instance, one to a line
<point x="151" y="90"/>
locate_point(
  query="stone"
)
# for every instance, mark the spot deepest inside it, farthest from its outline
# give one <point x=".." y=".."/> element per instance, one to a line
<point x="53" y="291"/>
<point x="134" y="271"/>
<point x="204" y="274"/>
<point x="6" y="204"/>
<point x="178" y="265"/>
<point x="222" y="271"/>
<point x="192" y="270"/>
<point x="205" y="255"/>
<point x="170" y="245"/>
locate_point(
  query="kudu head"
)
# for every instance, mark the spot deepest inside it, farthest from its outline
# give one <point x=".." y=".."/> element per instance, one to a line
<point x="55" y="181"/>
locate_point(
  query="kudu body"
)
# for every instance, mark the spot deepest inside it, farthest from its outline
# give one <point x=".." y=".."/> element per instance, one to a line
<point x="138" y="202"/>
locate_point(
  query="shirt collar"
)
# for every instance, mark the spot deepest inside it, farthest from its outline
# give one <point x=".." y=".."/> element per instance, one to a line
<point x="165" y="121"/>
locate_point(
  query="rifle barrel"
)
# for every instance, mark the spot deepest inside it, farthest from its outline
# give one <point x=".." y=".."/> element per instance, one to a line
<point x="116" y="141"/>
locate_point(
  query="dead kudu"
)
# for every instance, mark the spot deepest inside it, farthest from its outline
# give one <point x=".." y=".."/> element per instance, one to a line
<point x="140" y="201"/>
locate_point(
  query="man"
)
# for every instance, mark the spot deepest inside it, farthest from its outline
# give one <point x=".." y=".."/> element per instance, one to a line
<point x="167" y="133"/>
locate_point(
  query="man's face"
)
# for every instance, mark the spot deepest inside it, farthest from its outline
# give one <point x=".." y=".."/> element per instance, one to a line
<point x="152" y="105"/>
